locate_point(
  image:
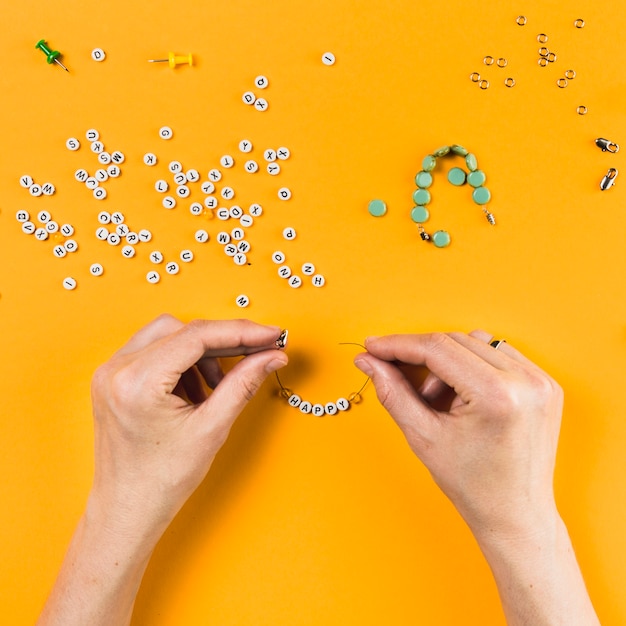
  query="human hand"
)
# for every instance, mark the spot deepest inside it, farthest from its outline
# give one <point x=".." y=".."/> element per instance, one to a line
<point x="485" y="423"/>
<point x="157" y="426"/>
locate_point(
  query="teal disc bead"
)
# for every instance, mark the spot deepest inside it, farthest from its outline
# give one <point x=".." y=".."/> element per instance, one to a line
<point x="460" y="150"/>
<point x="419" y="214"/>
<point x="472" y="163"/>
<point x="441" y="239"/>
<point x="481" y="195"/>
<point x="441" y="152"/>
<point x="429" y="162"/>
<point x="476" y="178"/>
<point x="424" y="179"/>
<point x="377" y="208"/>
<point x="457" y="176"/>
<point x="421" y="196"/>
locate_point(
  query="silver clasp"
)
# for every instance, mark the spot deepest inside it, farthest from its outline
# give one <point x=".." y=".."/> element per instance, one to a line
<point x="607" y="146"/>
<point x="609" y="180"/>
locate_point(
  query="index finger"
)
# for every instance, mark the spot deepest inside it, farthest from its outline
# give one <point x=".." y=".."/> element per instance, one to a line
<point x="451" y="362"/>
<point x="176" y="353"/>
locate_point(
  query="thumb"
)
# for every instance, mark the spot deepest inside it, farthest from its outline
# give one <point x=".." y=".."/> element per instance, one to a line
<point x="401" y="400"/>
<point x="240" y="384"/>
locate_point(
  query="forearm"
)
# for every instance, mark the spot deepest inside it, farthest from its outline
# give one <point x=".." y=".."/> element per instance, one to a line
<point x="538" y="578"/>
<point x="100" y="576"/>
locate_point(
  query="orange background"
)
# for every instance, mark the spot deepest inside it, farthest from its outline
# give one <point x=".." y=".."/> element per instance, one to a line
<point x="305" y="520"/>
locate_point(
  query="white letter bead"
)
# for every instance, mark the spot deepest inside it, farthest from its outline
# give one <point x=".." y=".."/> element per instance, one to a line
<point x="318" y="280"/>
<point x="97" y="147"/>
<point x="67" y="230"/>
<point x="96" y="269"/>
<point x="308" y="269"/>
<point x="284" y="271"/>
<point x="71" y="245"/>
<point x="81" y="175"/>
<point x="48" y="189"/>
<point x="242" y="301"/>
<point x="91" y="183"/>
<point x="150" y="159"/>
<point x="342" y="404"/>
<point x="246" y="221"/>
<point x="26" y="181"/>
<point x="269" y="155"/>
<point x="122" y="230"/>
<point x="284" y="193"/>
<point x="59" y="251"/>
<point x="145" y="235"/>
<point x="117" y="217"/>
<point x="172" y="268"/>
<point x="261" y="82"/>
<point x="113" y="239"/>
<point x="240" y="259"/>
<point x="128" y="252"/>
<point x="92" y="134"/>
<point x="104" y="217"/>
<point x="260" y="104"/>
<point x="328" y="58"/>
<point x="156" y="257"/>
<point x="35" y="190"/>
<point x="318" y="410"/>
<point x="102" y="233"/>
<point x="175" y="167"/>
<point x="28" y="228"/>
<point x="169" y="202"/>
<point x="227" y="193"/>
<point x="251" y="166"/>
<point x="256" y="210"/>
<point x="118" y="157"/>
<point x="180" y="178"/>
<point x="101" y="175"/>
<point x="186" y="256"/>
<point x="153" y="277"/>
<point x="132" y="238"/>
<point x="113" y="171"/>
<point x="192" y="176"/>
<point x="210" y="202"/>
<point x="207" y="187"/>
<point x="295" y="400"/>
<point x="330" y="408"/>
<point x="97" y="54"/>
<point x="230" y="249"/>
<point x="182" y="191"/>
<point x="243" y="246"/>
<point x="22" y="216"/>
<point x="305" y="407"/>
<point x="223" y="214"/>
<point x="289" y="233"/>
<point x="283" y="153"/>
<point x="52" y="227"/>
<point x="245" y="146"/>
<point x="165" y="132"/>
<point x="235" y="212"/>
<point x="215" y="175"/>
<point x="41" y="234"/>
<point x="295" y="281"/>
<point x="248" y="98"/>
<point x="44" y="217"/>
<point x="273" y="169"/>
<point x="237" y="234"/>
<point x="99" y="193"/>
<point x="72" y="144"/>
<point x="223" y="238"/>
<point x="278" y="257"/>
<point x="227" y="161"/>
<point x="104" y="158"/>
<point x="161" y="186"/>
<point x="69" y="283"/>
<point x="201" y="236"/>
<point x="195" y="208"/>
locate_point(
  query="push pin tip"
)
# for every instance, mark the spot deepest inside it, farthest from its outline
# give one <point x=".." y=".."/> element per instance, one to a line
<point x="61" y="64"/>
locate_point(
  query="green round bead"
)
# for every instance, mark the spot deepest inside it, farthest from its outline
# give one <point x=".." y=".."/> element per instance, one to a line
<point x="476" y="178"/>
<point x="441" y="239"/>
<point x="481" y="195"/>
<point x="460" y="150"/>
<point x="419" y="214"/>
<point x="377" y="208"/>
<point x="424" y="179"/>
<point x="457" y="176"/>
<point x="472" y="163"/>
<point x="421" y="196"/>
<point x="441" y="152"/>
<point x="429" y="162"/>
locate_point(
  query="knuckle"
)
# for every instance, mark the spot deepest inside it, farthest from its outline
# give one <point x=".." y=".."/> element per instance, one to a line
<point x="437" y="340"/>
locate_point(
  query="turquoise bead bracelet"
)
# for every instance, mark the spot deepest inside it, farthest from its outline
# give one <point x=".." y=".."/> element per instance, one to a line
<point x="474" y="177"/>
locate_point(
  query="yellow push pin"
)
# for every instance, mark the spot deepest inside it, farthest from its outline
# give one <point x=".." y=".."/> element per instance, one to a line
<point x="174" y="60"/>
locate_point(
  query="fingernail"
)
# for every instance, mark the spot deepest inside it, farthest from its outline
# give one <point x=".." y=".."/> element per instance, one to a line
<point x="275" y="364"/>
<point x="364" y="366"/>
<point x="372" y="338"/>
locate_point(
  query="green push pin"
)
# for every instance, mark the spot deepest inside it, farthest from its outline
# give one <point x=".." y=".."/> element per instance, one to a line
<point x="51" y="55"/>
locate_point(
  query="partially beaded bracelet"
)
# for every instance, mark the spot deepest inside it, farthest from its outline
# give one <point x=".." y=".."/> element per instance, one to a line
<point x="317" y="409"/>
<point x="457" y="176"/>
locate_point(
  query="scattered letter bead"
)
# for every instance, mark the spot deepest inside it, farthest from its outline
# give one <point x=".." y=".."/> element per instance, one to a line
<point x="289" y="233"/>
<point x="71" y="245"/>
<point x="67" y="230"/>
<point x="186" y="256"/>
<point x="145" y="235"/>
<point x="318" y="280"/>
<point x="35" y="190"/>
<point x="175" y="167"/>
<point x="193" y="176"/>
<point x="99" y="193"/>
<point x="245" y="145"/>
<point x="59" y="251"/>
<point x="242" y="301"/>
<point x="284" y="193"/>
<point x="246" y="221"/>
<point x="69" y="283"/>
<point x="201" y="236"/>
<point x="102" y="233"/>
<point x="169" y="202"/>
<point x="261" y="82"/>
<point x="240" y="259"/>
<point x="248" y="97"/>
<point x="283" y="153"/>
<point x="284" y="271"/>
<point x="113" y="239"/>
<point x="328" y="58"/>
<point x="295" y="281"/>
<point x="128" y="252"/>
<point x="26" y="181"/>
<point x="269" y="155"/>
<point x="156" y="257"/>
<point x="149" y="159"/>
<point x="195" y="208"/>
<point x="97" y="54"/>
<point x="261" y="104"/>
<point x="153" y="277"/>
<point x="81" y="175"/>
<point x="28" y="228"/>
<point x="22" y="216"/>
<point x="308" y="269"/>
<point x="251" y="166"/>
<point x="72" y="144"/>
<point x="96" y="269"/>
<point x="172" y="268"/>
<point x="41" y="234"/>
<point x="44" y="217"/>
<point x="165" y="132"/>
<point x="278" y="257"/>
